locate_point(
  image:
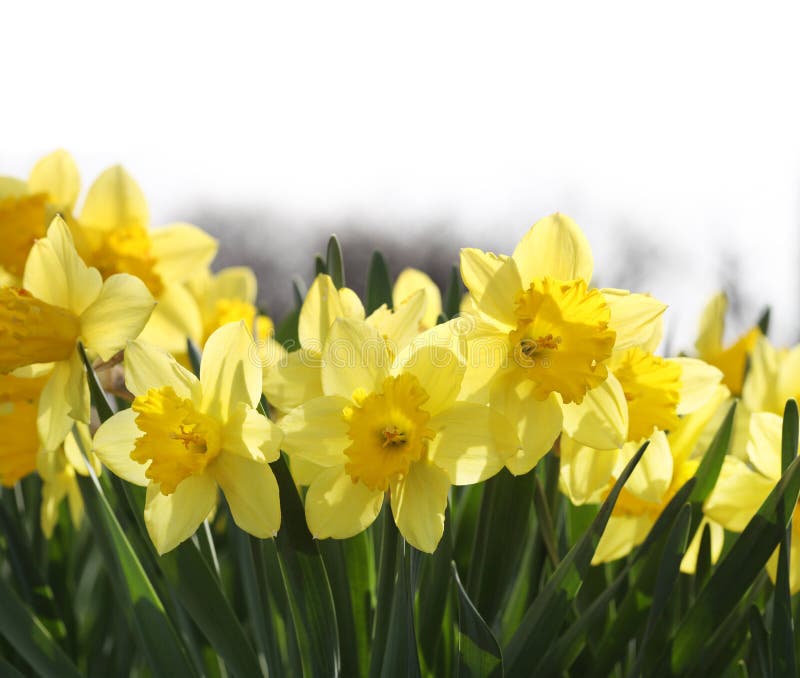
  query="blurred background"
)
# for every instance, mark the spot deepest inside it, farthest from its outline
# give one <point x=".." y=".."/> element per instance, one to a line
<point x="671" y="134"/>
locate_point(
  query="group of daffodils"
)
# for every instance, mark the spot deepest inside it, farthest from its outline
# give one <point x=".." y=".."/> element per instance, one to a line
<point x="394" y="405"/>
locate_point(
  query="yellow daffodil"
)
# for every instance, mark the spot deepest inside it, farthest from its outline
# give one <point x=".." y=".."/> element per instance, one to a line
<point x="116" y="224"/>
<point x="746" y="480"/>
<point x="27" y="207"/>
<point x="292" y="378"/>
<point x="229" y="296"/>
<point x="658" y="392"/>
<point x="408" y="282"/>
<point x="393" y="424"/>
<point x="543" y="340"/>
<point x="183" y="437"/>
<point x="64" y="302"/>
<point x="669" y="461"/>
<point x="773" y="377"/>
<point x="731" y="360"/>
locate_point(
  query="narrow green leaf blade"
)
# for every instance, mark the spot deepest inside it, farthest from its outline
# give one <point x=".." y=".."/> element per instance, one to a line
<point x="478" y="650"/>
<point x="711" y="464"/>
<point x="379" y="284"/>
<point x="334" y="262"/>
<point x="452" y="296"/>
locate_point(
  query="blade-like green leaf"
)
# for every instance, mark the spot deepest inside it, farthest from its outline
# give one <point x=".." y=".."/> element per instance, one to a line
<point x="479" y="653"/>
<point x="333" y="555"/>
<point x="711" y="464"/>
<point x="286" y="333"/>
<point x="734" y="574"/>
<point x="387" y="576"/>
<point x="542" y="622"/>
<point x="319" y="265"/>
<point x="763" y="321"/>
<point x="334" y="262"/>
<point x="379" y="284"/>
<point x="306" y="582"/>
<point x="452" y="296"/>
<point x="759" y="643"/>
<point x="28" y="636"/>
<point x="789" y="438"/>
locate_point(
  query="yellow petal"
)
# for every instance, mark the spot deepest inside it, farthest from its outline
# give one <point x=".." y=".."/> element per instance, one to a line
<point x="418" y="504"/>
<point x="555" y="247"/>
<point x="294" y="380"/>
<point x="56" y="274"/>
<point x="229" y="373"/>
<point x="621" y="536"/>
<point x="64" y="398"/>
<point x="303" y="471"/>
<point x="118" y="314"/>
<point x="794" y="563"/>
<point x="636" y="318"/>
<point x="11" y="187"/>
<point x="699" y="382"/>
<point x="473" y="442"/>
<point x="251" y="435"/>
<point x="175" y="318"/>
<point x="351" y="304"/>
<point x="537" y="422"/>
<point x="717" y="534"/>
<point x="712" y="326"/>
<point x="181" y="250"/>
<point x="235" y="282"/>
<point x="321" y="307"/>
<point x="317" y="431"/>
<point x="57" y="175"/>
<point x="738" y="495"/>
<point x="788" y="377"/>
<point x="114" y="201"/>
<point x="355" y="357"/>
<point x="438" y="370"/>
<point x="113" y="443"/>
<point x="78" y="440"/>
<point x="764" y="443"/>
<point x="403" y="324"/>
<point x="585" y="472"/>
<point x="493" y="282"/>
<point x="760" y="388"/>
<point x="691" y="430"/>
<point x="652" y="476"/>
<point x="252" y="494"/>
<point x="339" y="508"/>
<point x="410" y="281"/>
<point x="601" y="420"/>
<point x="172" y="519"/>
<point x="147" y="366"/>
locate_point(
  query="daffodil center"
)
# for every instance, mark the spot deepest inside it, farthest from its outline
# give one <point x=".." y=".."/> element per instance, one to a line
<point x="228" y="311"/>
<point x="128" y="250"/>
<point x="652" y="388"/>
<point x="22" y="221"/>
<point x="732" y="360"/>
<point x="33" y="331"/>
<point x="562" y="338"/>
<point x="178" y="440"/>
<point x="389" y="431"/>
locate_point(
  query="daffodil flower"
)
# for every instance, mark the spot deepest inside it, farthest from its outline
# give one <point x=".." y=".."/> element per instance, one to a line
<point x="668" y="462"/>
<point x="116" y="224"/>
<point x="290" y="379"/>
<point x="407" y="284"/>
<point x="183" y="437"/>
<point x="28" y="207"/>
<point x="543" y="340"/>
<point x="658" y="391"/>
<point x="64" y="302"/>
<point x="390" y="424"/>
<point x="747" y="477"/>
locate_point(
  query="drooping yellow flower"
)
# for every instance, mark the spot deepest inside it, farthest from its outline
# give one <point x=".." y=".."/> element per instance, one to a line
<point x="407" y="284"/>
<point x="28" y="207"/>
<point x="64" y="302"/>
<point x="543" y="339"/>
<point x="390" y="424"/>
<point x="183" y="437"/>
<point x="19" y="440"/>
<point x="669" y="461"/>
<point x="746" y="479"/>
<point x="116" y="224"/>
<point x="292" y="378"/>
<point x="732" y="360"/>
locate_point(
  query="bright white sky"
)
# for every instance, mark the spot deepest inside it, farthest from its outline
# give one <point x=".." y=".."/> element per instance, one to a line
<point x="681" y="123"/>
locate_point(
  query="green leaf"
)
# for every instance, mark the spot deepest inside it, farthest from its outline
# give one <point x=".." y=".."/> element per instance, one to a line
<point x="543" y="619"/>
<point x="478" y="650"/>
<point x="387" y="575"/>
<point x="286" y="333"/>
<point x="334" y="262"/>
<point x="319" y="266"/>
<point x="379" y="284"/>
<point x="194" y="356"/>
<point x="763" y="321"/>
<point x="711" y="464"/>
<point x="789" y="438"/>
<point x="96" y="392"/>
<point x="30" y="638"/>
<point x="452" y="296"/>
<point x="734" y="573"/>
<point x="298" y="291"/>
<point x="759" y="643"/>
<point x="306" y="582"/>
